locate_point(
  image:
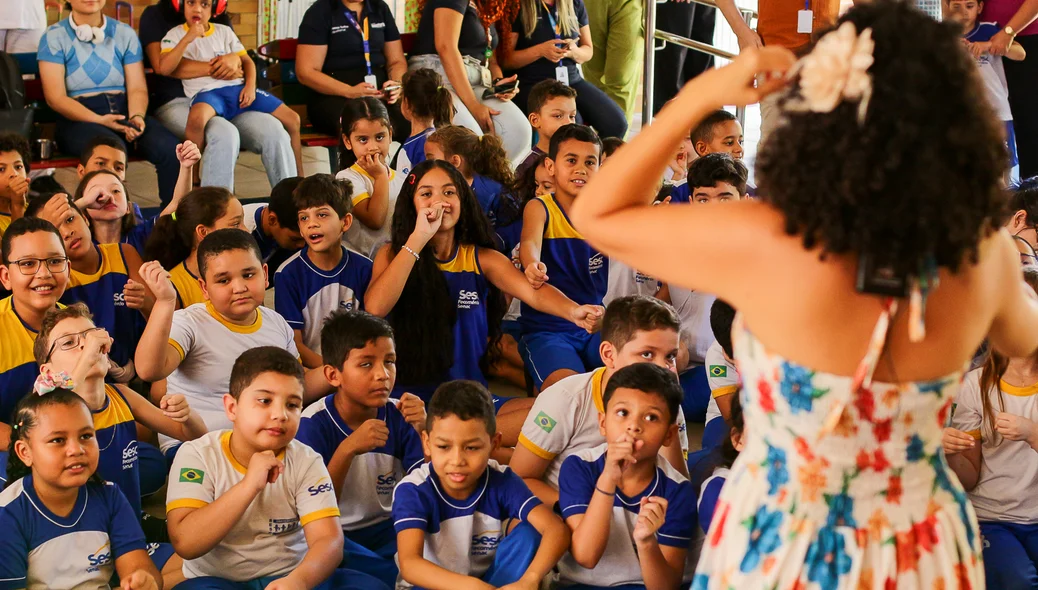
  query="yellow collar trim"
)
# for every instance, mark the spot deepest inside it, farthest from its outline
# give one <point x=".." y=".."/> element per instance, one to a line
<point x="250" y="329"/>
<point x="208" y="32"/>
<point x="597" y="390"/>
<point x="1018" y="391"/>
<point x="363" y="172"/>
<point x="225" y="446"/>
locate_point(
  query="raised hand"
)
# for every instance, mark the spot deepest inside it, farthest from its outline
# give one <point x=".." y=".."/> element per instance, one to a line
<point x="413" y="409"/>
<point x="157" y="280"/>
<point x="651" y="516"/>
<point x="175" y="407"/>
<point x="956" y="441"/>
<point x="371" y="435"/>
<point x="264" y="468"/>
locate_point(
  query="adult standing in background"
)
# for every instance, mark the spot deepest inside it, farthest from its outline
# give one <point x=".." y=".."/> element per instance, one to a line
<point x="548" y="40"/>
<point x="618" y="33"/>
<point x="457" y="39"/>
<point x="777" y="26"/>
<point x="22" y="23"/>
<point x="674" y="64"/>
<point x="256" y="132"/>
<point x="349" y="49"/>
<point x="1017" y="17"/>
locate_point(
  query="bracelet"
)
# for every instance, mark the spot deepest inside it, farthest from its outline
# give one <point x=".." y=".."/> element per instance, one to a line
<point x="601" y="491"/>
<point x="136" y="116"/>
<point x="413" y="253"/>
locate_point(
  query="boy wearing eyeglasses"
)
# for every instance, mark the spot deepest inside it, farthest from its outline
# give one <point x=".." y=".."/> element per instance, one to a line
<point x="35" y="270"/>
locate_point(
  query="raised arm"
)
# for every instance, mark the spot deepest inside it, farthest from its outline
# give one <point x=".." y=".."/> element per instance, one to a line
<point x="156" y="358"/>
<point x="173" y="418"/>
<point x="390" y="271"/>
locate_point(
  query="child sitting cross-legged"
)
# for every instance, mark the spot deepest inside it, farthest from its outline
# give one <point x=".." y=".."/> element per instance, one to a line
<point x="250" y="507"/>
<point x="632" y="514"/>
<point x="363" y="436"/>
<point x="462" y="520"/>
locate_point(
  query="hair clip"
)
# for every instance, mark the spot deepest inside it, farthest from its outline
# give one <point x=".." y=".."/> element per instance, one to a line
<point x="48" y="381"/>
<point x="412" y="178"/>
<point x="173" y="215"/>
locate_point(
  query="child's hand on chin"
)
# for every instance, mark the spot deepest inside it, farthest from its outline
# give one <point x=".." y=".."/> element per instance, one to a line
<point x="264" y="468"/>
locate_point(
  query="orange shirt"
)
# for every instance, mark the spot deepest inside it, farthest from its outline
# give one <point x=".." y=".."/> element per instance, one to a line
<point x="777" y="21"/>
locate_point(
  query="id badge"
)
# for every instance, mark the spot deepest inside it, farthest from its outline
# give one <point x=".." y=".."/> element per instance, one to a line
<point x="371" y="79"/>
<point x="805" y="21"/>
<point x="487" y="80"/>
<point x="562" y="74"/>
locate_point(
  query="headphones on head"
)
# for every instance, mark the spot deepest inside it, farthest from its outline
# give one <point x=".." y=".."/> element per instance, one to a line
<point x="219" y="6"/>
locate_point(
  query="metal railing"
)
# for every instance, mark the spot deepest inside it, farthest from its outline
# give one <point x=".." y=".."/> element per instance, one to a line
<point x="651" y="35"/>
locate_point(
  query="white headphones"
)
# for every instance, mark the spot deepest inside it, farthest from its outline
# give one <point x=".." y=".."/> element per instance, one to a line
<point x="88" y="34"/>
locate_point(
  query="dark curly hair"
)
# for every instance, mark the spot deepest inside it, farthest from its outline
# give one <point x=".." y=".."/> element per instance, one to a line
<point x="919" y="180"/>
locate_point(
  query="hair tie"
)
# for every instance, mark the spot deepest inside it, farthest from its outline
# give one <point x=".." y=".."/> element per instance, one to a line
<point x="173" y="215"/>
<point x="412" y="178"/>
<point x="16" y="427"/>
<point x="48" y="381"/>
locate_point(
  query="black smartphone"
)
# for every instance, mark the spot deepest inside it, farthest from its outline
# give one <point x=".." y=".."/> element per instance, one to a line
<point x="501" y="88"/>
<point x="875" y="280"/>
<point x="128" y="123"/>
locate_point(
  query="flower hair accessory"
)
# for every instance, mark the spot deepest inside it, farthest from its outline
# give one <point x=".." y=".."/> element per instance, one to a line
<point x="835" y="71"/>
<point x="48" y="381"/>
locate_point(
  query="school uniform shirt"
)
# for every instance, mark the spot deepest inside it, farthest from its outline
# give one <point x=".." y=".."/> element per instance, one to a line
<point x="1009" y="470"/>
<point x="564" y="421"/>
<point x="709" y="493"/>
<point x="625" y="280"/>
<point x="306" y="295"/>
<point x="40" y="550"/>
<point x="619" y="564"/>
<point x="573" y="267"/>
<point x="529" y="159"/>
<point x="189" y="292"/>
<point x="5" y="222"/>
<point x="91" y="68"/>
<point x="991" y="70"/>
<point x="18" y="368"/>
<point x="253" y="221"/>
<point x="325" y="23"/>
<point x="541" y="68"/>
<point x="208" y="346"/>
<point x="139" y="234"/>
<point x="360" y="237"/>
<point x="488" y="193"/>
<point x="461" y="535"/>
<point x="216" y="41"/>
<point x="268" y="539"/>
<point x="102" y="292"/>
<point x="693" y="309"/>
<point x="472" y="38"/>
<point x="367" y="491"/>
<point x="412" y="152"/>
<point x="722" y="377"/>
<point x="117" y="441"/>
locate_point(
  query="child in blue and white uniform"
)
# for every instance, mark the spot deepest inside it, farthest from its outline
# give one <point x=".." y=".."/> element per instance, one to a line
<point x="427" y="104"/>
<point x="274" y="223"/>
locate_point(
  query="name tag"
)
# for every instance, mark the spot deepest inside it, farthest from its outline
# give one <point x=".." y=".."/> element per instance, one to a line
<point x="805" y="21"/>
<point x="562" y="74"/>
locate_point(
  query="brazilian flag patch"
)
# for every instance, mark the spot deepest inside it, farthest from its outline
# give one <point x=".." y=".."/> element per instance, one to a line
<point x="189" y="475"/>
<point x="545" y="421"/>
<point x="718" y="371"/>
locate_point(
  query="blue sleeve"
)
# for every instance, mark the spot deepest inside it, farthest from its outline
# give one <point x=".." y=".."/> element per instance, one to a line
<point x="409" y="511"/>
<point x="129" y="46"/>
<point x="124" y="530"/>
<point x="515" y="496"/>
<point x="311" y="433"/>
<point x="364" y="282"/>
<point x="680" y="521"/>
<point x="408" y="445"/>
<point x="52" y="48"/>
<point x="708" y="502"/>
<point x="14" y="553"/>
<point x="576" y="485"/>
<point x="581" y="13"/>
<point x="391" y="32"/>
<point x="681" y="194"/>
<point x="287" y="298"/>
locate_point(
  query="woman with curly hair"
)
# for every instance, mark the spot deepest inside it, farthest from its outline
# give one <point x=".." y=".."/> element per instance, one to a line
<point x="865" y="279"/>
<point x="457" y="39"/>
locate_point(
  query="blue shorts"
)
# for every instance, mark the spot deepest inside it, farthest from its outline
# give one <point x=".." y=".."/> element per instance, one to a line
<point x="226" y="101"/>
<point x="1010" y="555"/>
<point x="547" y="352"/>
<point x="160" y="554"/>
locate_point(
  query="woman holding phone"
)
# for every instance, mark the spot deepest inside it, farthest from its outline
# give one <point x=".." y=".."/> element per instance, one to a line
<point x="349" y="49"/>
<point x="457" y="39"/>
<point x="548" y="40"/>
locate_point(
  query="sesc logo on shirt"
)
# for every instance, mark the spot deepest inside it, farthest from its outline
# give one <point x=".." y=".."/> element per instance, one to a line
<point x="322" y="486"/>
<point x="385" y="483"/>
<point x="100" y="557"/>
<point x="485" y="543"/>
<point x="130" y="455"/>
<point x="594" y="264"/>
<point x="467" y="299"/>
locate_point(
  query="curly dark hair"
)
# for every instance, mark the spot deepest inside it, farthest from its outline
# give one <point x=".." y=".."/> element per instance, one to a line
<point x="423" y="318"/>
<point x="919" y="180"/>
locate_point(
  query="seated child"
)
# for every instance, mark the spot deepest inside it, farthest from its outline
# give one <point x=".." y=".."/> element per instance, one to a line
<point x="363" y="436"/>
<point x="35" y="270"/>
<point x="720" y="367"/>
<point x="174" y="241"/>
<point x="719" y="133"/>
<point x="99" y="277"/>
<point x="200" y="40"/>
<point x="713" y="178"/>
<point x="15" y="160"/>
<point x="70" y="344"/>
<point x="724" y="458"/>
<point x="463" y="516"/>
<point x="482" y="161"/>
<point x="427" y="104"/>
<point x="366" y="135"/>
<point x="609" y="147"/>
<point x="274" y="223"/>
<point x="977" y="36"/>
<point x="324" y="276"/>
<point x="193" y="347"/>
<point x="553" y="251"/>
<point x="63" y="526"/>
<point x="250" y="505"/>
<point x="564" y="417"/>
<point x="104" y="152"/>
<point x="632" y="514"/>
<point x="551" y="105"/>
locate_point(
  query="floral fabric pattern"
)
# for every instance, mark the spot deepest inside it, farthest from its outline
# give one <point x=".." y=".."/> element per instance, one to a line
<point x="867" y="502"/>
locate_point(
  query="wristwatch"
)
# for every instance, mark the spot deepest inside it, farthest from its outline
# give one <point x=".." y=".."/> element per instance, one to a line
<point x="1009" y="31"/>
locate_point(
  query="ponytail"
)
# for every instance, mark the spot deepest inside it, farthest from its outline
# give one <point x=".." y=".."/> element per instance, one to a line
<point x="427" y="97"/>
<point x="173" y="237"/>
<point x="27" y="416"/>
<point x="480" y="155"/>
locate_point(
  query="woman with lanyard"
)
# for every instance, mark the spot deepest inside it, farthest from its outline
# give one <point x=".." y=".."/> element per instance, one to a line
<point x="548" y="39"/>
<point x="456" y="38"/>
<point x="349" y="49"/>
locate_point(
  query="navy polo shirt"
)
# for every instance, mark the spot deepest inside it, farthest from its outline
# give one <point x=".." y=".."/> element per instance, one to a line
<point x="542" y="69"/>
<point x="153" y="27"/>
<point x="325" y="23"/>
<point x="473" y="38"/>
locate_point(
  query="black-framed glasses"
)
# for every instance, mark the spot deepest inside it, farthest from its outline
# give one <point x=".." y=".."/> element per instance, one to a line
<point x="31" y="266"/>
<point x="69" y="341"/>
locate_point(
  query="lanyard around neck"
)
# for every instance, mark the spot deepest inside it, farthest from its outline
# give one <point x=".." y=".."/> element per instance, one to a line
<point x="364" y="35"/>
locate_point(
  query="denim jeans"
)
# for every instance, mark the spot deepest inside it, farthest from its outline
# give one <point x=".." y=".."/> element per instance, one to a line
<point x="511" y="125"/>
<point x="156" y="145"/>
<point x="256" y="132"/>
